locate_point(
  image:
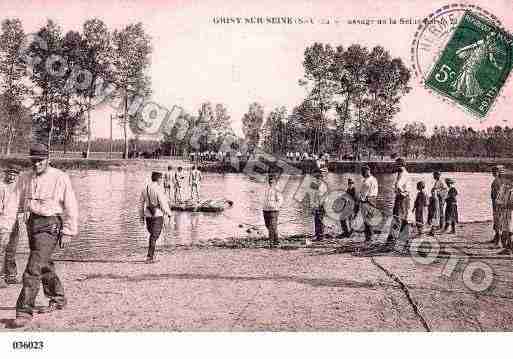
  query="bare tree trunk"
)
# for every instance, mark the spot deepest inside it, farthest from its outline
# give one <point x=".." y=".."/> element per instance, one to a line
<point x="88" y="150"/>
<point x="50" y="132"/>
<point x="10" y="139"/>
<point x="125" y="125"/>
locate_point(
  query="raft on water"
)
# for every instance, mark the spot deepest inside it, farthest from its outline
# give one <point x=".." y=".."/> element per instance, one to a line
<point x="211" y="205"/>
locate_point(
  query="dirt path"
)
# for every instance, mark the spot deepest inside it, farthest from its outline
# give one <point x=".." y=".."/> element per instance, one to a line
<point x="330" y="286"/>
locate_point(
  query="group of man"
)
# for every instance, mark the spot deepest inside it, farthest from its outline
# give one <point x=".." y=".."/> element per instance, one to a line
<point x="176" y="181"/>
<point x="220" y="156"/>
<point x="364" y="203"/>
<point x="297" y="156"/>
<point x="45" y="199"/>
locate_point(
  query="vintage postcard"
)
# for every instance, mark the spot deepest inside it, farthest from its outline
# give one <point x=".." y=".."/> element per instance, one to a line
<point x="254" y="166"/>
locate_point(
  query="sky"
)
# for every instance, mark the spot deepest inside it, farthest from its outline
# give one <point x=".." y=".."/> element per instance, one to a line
<point x="195" y="59"/>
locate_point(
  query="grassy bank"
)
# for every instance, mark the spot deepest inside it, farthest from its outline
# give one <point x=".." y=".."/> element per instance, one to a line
<point x="418" y="166"/>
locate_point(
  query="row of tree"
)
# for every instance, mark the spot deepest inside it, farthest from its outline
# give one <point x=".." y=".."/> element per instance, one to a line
<point x="60" y="78"/>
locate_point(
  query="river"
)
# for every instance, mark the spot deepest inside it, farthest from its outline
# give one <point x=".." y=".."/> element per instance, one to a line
<point x="108" y="203"/>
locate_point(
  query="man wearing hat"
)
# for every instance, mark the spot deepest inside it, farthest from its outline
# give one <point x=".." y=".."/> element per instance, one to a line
<point x="50" y="202"/>
<point x="497" y="172"/>
<point x="10" y="194"/>
<point x="153" y="205"/>
<point x="272" y="202"/>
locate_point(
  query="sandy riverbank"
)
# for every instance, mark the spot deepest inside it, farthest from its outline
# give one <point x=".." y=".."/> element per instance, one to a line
<point x="329" y="286"/>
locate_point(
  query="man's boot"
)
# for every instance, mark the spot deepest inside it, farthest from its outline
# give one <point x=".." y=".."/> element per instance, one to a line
<point x="453" y="228"/>
<point x="2" y="283"/>
<point x="496" y="239"/>
<point x="506" y="243"/>
<point x="21" y="322"/>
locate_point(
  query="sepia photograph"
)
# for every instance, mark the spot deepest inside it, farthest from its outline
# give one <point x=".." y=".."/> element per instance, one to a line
<point x="237" y="167"/>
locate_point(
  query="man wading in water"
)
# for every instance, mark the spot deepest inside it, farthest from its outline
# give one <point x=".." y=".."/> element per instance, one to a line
<point x="168" y="180"/>
<point x="53" y="220"/>
<point x="153" y="205"/>
<point x="194" y="182"/>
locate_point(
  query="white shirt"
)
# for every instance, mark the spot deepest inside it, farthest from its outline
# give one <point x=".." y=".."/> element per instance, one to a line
<point x="156" y="198"/>
<point x="10" y="195"/>
<point x="51" y="194"/>
<point x="316" y="200"/>
<point x="195" y="177"/>
<point x="369" y="188"/>
<point x="402" y="183"/>
<point x="272" y="199"/>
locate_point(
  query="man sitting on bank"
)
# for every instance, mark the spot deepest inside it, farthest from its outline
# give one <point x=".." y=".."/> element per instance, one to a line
<point x="153" y="205"/>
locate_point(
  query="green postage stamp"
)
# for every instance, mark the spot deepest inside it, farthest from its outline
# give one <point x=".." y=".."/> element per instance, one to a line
<point x="474" y="65"/>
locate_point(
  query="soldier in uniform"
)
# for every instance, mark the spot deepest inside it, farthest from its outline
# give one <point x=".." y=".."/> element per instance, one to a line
<point x="52" y="209"/>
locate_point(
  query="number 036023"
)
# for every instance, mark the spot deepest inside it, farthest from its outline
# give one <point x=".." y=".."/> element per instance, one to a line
<point x="28" y="345"/>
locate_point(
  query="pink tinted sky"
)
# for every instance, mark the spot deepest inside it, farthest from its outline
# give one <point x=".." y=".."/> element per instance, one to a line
<point x="195" y="60"/>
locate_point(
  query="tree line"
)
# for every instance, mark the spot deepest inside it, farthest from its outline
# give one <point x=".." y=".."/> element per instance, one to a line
<point x="59" y="78"/>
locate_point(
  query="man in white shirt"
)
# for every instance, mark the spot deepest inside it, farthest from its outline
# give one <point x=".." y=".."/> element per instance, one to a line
<point x="9" y="228"/>
<point x="154" y="204"/>
<point x="317" y="206"/>
<point x="270" y="208"/>
<point x="368" y="195"/>
<point x="49" y="199"/>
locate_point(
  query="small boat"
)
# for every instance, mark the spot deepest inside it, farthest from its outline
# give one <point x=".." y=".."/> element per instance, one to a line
<point x="211" y="205"/>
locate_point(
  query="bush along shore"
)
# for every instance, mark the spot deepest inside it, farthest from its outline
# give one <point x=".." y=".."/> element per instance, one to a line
<point x="264" y="166"/>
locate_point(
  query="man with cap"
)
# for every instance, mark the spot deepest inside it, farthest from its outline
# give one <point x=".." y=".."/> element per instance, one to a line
<point x="497" y="172"/>
<point x="154" y="204"/>
<point x="52" y="208"/>
<point x="10" y="195"/>
<point x="272" y="202"/>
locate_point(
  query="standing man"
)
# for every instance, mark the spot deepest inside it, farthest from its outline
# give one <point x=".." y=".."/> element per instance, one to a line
<point x="178" y="179"/>
<point x="195" y="181"/>
<point x="10" y="194"/>
<point x="368" y="195"/>
<point x="271" y="207"/>
<point x="402" y="197"/>
<point x="153" y="205"/>
<point x="497" y="172"/>
<point x="345" y="221"/>
<point x="168" y="180"/>
<point x="441" y="194"/>
<point x="51" y="204"/>
<point x="317" y="207"/>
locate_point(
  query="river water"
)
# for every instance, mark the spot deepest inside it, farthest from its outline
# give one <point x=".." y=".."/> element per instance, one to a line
<point x="109" y="200"/>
